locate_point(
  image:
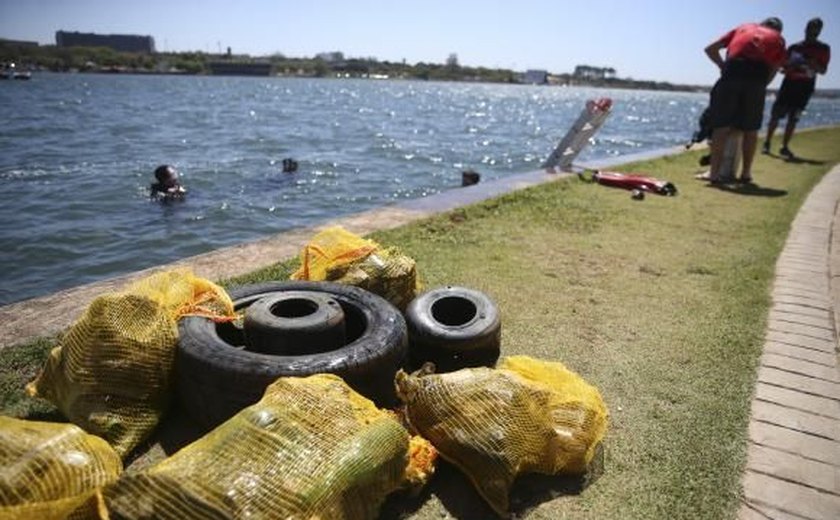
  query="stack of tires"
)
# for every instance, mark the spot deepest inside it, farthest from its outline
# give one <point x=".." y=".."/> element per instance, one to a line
<point x="301" y="328"/>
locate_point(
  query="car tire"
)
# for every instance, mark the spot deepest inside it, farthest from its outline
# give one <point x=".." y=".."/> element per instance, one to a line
<point x="454" y="328"/>
<point x="216" y="376"/>
<point x="294" y="323"/>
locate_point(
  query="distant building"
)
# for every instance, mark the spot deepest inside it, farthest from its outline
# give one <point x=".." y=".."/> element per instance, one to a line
<point x="17" y="43"/>
<point x="118" y="42"/>
<point x="587" y="72"/>
<point x="535" y="77"/>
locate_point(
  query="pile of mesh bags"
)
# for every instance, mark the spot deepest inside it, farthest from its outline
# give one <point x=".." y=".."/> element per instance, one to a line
<point x="111" y="373"/>
<point x="52" y="471"/>
<point x="525" y="416"/>
<point x="336" y="255"/>
<point x="311" y="448"/>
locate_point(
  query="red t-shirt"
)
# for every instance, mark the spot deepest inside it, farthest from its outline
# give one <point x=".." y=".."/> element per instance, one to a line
<point x="800" y="54"/>
<point x="755" y="42"/>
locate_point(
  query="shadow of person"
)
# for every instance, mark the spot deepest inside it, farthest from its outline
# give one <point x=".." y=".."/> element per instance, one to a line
<point x="803" y="160"/>
<point x="750" y="189"/>
<point x="795" y="159"/>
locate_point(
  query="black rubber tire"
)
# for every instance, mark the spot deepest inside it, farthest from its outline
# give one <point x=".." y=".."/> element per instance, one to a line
<point x="216" y="377"/>
<point x="294" y="323"/>
<point x="454" y="328"/>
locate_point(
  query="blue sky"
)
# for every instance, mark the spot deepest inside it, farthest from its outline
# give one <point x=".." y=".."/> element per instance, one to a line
<point x="642" y="39"/>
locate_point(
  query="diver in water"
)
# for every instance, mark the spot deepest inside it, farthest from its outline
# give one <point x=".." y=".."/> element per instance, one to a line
<point x="167" y="186"/>
<point x="290" y="165"/>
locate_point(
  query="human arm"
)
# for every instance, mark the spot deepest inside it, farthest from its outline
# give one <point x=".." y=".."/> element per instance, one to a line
<point x="820" y="63"/>
<point x="713" y="52"/>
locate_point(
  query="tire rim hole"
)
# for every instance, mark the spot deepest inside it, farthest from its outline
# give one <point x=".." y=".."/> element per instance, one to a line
<point x="355" y="322"/>
<point x="294" y="308"/>
<point x="453" y="311"/>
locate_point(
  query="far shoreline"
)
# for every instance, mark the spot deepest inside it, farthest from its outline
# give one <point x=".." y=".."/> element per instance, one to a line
<point x="609" y="83"/>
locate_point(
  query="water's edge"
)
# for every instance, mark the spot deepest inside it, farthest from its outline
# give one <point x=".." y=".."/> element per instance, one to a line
<point x="48" y="315"/>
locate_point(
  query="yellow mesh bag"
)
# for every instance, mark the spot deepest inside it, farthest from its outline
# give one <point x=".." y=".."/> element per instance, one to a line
<point x="311" y="448"/>
<point x="181" y="293"/>
<point x="526" y="416"/>
<point x="337" y="255"/>
<point x="110" y="373"/>
<point x="331" y="248"/>
<point x="51" y="471"/>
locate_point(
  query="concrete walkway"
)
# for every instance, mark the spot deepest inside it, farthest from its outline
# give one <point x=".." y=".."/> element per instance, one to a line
<point x="793" y="460"/>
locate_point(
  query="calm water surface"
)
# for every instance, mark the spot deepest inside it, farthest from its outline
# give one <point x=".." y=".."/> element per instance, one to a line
<point x="78" y="153"/>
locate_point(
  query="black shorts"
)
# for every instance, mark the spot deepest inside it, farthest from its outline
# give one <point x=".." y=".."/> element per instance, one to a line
<point x="792" y="99"/>
<point x="738" y="103"/>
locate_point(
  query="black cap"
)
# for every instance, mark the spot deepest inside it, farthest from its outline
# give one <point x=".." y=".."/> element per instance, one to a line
<point x="773" y="23"/>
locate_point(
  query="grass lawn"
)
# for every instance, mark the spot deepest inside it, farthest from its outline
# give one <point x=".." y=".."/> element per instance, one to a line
<point x="660" y="303"/>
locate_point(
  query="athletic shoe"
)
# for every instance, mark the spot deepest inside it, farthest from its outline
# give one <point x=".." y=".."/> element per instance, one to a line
<point x="786" y="152"/>
<point x="765" y="148"/>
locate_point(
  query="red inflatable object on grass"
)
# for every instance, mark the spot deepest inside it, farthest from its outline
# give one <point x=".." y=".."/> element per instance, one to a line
<point x="634" y="182"/>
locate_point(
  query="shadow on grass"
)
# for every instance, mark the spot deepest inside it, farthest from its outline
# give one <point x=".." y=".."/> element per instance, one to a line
<point x="795" y="159"/>
<point x="462" y="501"/>
<point x="749" y="189"/>
<point x="175" y="431"/>
<point x="46" y="414"/>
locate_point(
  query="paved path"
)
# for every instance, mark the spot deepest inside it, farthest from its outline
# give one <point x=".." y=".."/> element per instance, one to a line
<point x="793" y="459"/>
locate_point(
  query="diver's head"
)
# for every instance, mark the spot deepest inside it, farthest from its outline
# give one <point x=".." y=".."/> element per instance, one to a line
<point x="166" y="175"/>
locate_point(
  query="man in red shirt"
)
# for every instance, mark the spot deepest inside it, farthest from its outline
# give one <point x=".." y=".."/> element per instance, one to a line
<point x="754" y="52"/>
<point x="805" y="60"/>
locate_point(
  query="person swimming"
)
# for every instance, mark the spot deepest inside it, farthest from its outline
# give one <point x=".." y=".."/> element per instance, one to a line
<point x="167" y="186"/>
<point x="289" y="165"/>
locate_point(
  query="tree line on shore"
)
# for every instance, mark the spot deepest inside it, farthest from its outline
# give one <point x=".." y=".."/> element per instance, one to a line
<point x="104" y="59"/>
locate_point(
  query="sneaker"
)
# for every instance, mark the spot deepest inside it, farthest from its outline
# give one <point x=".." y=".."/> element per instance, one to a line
<point x="785" y="151"/>
<point x="765" y="148"/>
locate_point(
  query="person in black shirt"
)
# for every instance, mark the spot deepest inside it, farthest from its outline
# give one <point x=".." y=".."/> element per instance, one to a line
<point x="805" y="60"/>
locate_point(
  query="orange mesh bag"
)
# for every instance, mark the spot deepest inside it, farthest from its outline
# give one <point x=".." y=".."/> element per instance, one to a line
<point x="337" y="255"/>
<point x="310" y="448"/>
<point x="52" y="471"/>
<point x="111" y="371"/>
<point x="526" y="416"/>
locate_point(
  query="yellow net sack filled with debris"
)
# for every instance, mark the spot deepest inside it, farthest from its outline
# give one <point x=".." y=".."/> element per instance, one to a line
<point x="311" y="448"/>
<point x="337" y="255"/>
<point x="526" y="416"/>
<point x="52" y="471"/>
<point x="111" y="371"/>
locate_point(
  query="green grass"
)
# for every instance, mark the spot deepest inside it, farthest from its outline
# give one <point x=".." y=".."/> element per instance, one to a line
<point x="660" y="303"/>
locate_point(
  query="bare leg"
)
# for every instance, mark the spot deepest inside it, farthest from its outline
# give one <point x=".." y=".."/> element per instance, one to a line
<point x="748" y="145"/>
<point x="719" y="138"/>
<point x="771" y="129"/>
<point x="789" y="129"/>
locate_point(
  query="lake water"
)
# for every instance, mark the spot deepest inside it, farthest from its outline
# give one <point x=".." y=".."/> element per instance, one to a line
<point x="78" y="152"/>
